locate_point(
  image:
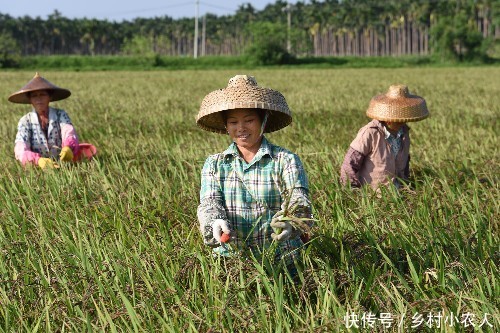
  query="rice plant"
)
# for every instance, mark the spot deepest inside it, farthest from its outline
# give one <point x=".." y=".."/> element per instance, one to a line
<point x="113" y="245"/>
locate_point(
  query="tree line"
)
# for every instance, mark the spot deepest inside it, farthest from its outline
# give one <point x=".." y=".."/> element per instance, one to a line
<point x="459" y="29"/>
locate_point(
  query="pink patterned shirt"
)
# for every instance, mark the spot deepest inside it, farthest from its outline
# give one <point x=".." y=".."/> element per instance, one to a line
<point x="32" y="143"/>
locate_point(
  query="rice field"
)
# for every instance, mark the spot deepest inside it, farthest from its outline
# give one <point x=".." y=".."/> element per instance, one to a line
<point x="113" y="245"/>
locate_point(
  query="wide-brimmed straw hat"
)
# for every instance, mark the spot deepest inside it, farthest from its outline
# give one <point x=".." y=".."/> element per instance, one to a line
<point x="397" y="105"/>
<point x="38" y="83"/>
<point x="242" y="92"/>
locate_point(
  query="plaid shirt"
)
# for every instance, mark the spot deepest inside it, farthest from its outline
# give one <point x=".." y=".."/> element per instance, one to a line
<point x="395" y="141"/>
<point x="248" y="195"/>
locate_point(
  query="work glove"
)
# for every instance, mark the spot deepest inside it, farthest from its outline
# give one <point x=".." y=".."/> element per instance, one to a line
<point x="44" y="162"/>
<point x="283" y="230"/>
<point x="218" y="228"/>
<point x="66" y="154"/>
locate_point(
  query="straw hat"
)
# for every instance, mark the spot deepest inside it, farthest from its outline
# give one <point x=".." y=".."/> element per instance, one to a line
<point x="242" y="91"/>
<point x="38" y="83"/>
<point x="397" y="105"/>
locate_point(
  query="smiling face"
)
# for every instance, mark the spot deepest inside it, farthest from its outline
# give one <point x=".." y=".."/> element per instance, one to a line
<point x="243" y="126"/>
<point x="40" y="100"/>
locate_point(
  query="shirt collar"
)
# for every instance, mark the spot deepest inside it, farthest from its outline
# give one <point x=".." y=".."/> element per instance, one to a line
<point x="265" y="149"/>
<point x="52" y="113"/>
<point x="389" y="134"/>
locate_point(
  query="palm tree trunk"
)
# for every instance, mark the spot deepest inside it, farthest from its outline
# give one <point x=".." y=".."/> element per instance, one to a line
<point x="401" y="40"/>
<point x="334" y="44"/>
<point x="386" y="41"/>
<point x="426" y="40"/>
<point x="392" y="46"/>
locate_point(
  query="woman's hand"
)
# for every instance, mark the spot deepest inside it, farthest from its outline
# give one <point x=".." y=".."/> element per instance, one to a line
<point x="283" y="229"/>
<point x="66" y="154"/>
<point x="218" y="228"/>
<point x="289" y="227"/>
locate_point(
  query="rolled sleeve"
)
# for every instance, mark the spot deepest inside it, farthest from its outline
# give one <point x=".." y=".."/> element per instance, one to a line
<point x="296" y="184"/>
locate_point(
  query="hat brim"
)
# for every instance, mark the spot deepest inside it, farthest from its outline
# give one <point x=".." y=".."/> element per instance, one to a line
<point x="38" y="83"/>
<point x="214" y="122"/>
<point x="22" y="97"/>
<point x="407" y="109"/>
<point x="250" y="97"/>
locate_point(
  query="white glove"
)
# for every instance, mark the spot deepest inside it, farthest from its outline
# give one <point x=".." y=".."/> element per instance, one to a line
<point x="284" y="229"/>
<point x="218" y="227"/>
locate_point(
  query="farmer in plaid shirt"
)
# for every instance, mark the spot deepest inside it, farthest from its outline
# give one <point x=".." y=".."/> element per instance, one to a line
<point x="248" y="189"/>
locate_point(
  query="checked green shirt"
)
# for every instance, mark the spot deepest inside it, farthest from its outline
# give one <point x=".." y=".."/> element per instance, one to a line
<point x="248" y="195"/>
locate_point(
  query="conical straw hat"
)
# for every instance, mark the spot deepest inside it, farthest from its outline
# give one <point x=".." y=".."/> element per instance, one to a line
<point x="38" y="83"/>
<point x="397" y="105"/>
<point x="242" y="91"/>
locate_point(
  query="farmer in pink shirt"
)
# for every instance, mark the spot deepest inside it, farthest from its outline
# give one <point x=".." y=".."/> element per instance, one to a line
<point x="380" y="153"/>
<point x="46" y="135"/>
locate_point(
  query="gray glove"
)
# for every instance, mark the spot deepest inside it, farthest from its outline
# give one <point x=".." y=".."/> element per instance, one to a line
<point x="283" y="229"/>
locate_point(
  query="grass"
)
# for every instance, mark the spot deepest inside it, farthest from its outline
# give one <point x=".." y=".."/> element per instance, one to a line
<point x="113" y="245"/>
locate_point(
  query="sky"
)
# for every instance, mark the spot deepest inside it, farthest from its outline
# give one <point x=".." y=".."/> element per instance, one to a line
<point x="119" y="10"/>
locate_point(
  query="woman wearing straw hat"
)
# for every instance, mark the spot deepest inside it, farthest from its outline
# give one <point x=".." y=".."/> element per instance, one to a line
<point x="380" y="153"/>
<point x="46" y="133"/>
<point x="247" y="190"/>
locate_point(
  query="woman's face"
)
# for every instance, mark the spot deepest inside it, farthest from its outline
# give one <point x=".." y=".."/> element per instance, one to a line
<point x="243" y="126"/>
<point x="40" y="100"/>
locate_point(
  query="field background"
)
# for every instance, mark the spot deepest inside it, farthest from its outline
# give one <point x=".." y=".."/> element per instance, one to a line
<point x="114" y="245"/>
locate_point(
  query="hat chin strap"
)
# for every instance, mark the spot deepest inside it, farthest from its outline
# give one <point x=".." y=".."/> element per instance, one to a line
<point x="264" y="122"/>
